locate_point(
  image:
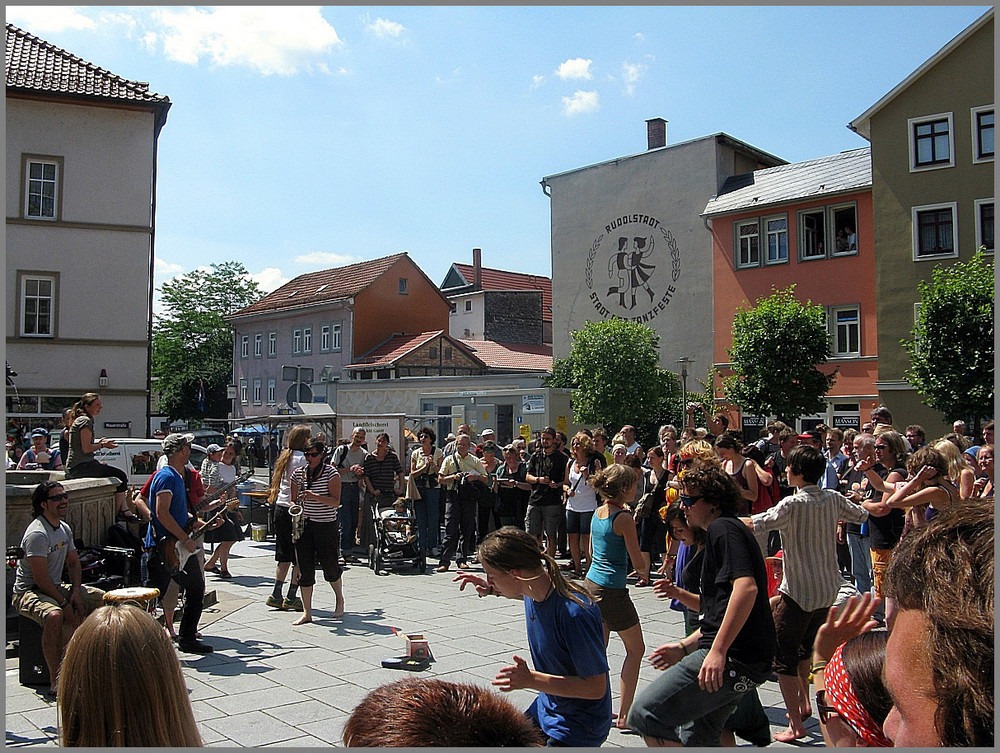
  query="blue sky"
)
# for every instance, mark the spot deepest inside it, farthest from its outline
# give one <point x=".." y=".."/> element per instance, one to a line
<point x="311" y="137"/>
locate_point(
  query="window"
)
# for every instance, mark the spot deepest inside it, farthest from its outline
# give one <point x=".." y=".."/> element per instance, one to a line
<point x="982" y="134"/>
<point x="272" y="344"/>
<point x="468" y="304"/>
<point x="307" y="340"/>
<point x="272" y="387"/>
<point x="846" y="330"/>
<point x="296" y="341"/>
<point x="812" y="234"/>
<point x="256" y="392"/>
<point x="432" y="353"/>
<point x="844" y="224"/>
<point x="777" y="239"/>
<point x="931" y="142"/>
<point x="324" y="338"/>
<point x="984" y="224"/>
<point x="244" y="397"/>
<point x="258" y="344"/>
<point x="402" y="286"/>
<point x="38" y="305"/>
<point x="748" y="244"/>
<point x="335" y="337"/>
<point x="934" y="231"/>
<point x="447" y="353"/>
<point x="245" y="346"/>
<point x="41" y="189"/>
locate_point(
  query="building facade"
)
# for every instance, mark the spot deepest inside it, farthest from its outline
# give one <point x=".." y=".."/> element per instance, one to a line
<point x="81" y="197"/>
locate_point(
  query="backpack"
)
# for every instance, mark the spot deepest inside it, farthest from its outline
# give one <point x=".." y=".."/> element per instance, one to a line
<point x="767" y="496"/>
<point x="339" y="461"/>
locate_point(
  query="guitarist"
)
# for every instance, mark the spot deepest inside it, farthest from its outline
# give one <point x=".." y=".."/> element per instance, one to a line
<point x="173" y="522"/>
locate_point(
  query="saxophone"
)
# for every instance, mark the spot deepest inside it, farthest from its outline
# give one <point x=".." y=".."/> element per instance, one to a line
<point x="298" y="521"/>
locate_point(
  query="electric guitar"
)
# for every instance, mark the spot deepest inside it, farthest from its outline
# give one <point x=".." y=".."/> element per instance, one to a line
<point x="173" y="551"/>
<point x="210" y="498"/>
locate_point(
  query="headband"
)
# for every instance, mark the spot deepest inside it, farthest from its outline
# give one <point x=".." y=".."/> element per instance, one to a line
<point x="841" y="694"/>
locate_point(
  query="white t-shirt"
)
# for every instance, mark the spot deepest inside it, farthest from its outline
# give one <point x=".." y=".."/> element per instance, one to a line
<point x="297" y="460"/>
<point x="584" y="498"/>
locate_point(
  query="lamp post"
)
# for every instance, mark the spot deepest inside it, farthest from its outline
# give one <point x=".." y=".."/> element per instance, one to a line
<point x="684" y="361"/>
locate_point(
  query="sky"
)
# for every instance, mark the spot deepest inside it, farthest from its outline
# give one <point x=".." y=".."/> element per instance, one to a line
<point x="303" y="138"/>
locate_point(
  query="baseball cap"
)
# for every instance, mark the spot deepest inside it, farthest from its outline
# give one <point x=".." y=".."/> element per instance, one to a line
<point x="176" y="442"/>
<point x="40" y="432"/>
<point x="212" y="448"/>
<point x="484" y="432"/>
<point x="815" y="436"/>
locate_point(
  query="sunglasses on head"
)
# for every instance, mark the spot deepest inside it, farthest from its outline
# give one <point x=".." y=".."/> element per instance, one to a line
<point x="58" y="497"/>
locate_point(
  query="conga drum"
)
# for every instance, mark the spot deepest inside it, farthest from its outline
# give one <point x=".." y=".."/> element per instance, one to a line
<point x="142" y="597"/>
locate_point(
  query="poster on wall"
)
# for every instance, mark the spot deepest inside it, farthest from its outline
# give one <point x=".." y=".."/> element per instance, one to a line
<point x="533" y="403"/>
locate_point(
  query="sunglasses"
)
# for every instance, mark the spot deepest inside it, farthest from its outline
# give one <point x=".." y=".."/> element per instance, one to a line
<point x="687" y="501"/>
<point x="881" y="447"/>
<point x="58" y="497"/>
<point x="312" y="454"/>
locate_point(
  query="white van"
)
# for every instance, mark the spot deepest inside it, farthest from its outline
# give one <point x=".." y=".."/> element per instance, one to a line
<point x="138" y="457"/>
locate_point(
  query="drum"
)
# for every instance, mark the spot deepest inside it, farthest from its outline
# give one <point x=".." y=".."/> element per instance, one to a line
<point x="138" y="595"/>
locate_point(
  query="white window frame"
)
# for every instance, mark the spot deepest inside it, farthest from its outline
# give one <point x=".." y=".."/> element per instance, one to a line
<point x="296" y="341"/>
<point x="53" y="282"/>
<point x="307" y="339"/>
<point x="835" y="334"/>
<point x="977" y="156"/>
<point x="258" y="345"/>
<point x="777" y="233"/>
<point x="832" y="229"/>
<point x="824" y="239"/>
<point x="256" y="392"/>
<point x="979" y="204"/>
<point x="915" y="230"/>
<point x="911" y="125"/>
<point x="324" y="338"/>
<point x="336" y="336"/>
<point x="55" y="182"/>
<point x="272" y="388"/>
<point x="244" y="392"/>
<point x="244" y="346"/>
<point x="272" y="344"/>
<point x="738" y="226"/>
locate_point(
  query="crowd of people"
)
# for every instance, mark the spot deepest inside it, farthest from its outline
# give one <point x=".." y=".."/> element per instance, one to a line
<point x="880" y="617"/>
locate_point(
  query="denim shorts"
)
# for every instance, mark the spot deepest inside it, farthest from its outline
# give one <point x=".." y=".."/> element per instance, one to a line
<point x="578" y="522"/>
<point x="673" y="706"/>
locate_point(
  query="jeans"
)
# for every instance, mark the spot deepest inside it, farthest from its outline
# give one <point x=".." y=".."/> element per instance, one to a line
<point x="427" y="511"/>
<point x="861" y="560"/>
<point x="350" y="498"/>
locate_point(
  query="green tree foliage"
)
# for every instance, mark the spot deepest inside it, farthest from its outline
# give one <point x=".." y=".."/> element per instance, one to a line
<point x="613" y="370"/>
<point x="951" y="352"/>
<point x="777" y="346"/>
<point x="191" y="342"/>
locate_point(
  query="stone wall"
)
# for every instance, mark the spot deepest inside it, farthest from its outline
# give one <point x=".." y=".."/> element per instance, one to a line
<point x="513" y="316"/>
<point x="91" y="509"/>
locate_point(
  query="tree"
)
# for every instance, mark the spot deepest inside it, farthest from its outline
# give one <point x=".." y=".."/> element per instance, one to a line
<point x="951" y="352"/>
<point x="192" y="344"/>
<point x="613" y="370"/>
<point x="777" y="346"/>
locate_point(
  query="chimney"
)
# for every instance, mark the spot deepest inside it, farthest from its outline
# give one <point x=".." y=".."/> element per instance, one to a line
<point x="477" y="267"/>
<point x="656" y="133"/>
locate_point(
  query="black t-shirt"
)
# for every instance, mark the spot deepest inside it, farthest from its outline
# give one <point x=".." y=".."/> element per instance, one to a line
<point x="510" y="496"/>
<point x="887" y="530"/>
<point x="554" y="467"/>
<point x="731" y="552"/>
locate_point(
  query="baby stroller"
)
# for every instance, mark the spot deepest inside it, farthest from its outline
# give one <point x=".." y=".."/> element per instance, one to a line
<point x="395" y="538"/>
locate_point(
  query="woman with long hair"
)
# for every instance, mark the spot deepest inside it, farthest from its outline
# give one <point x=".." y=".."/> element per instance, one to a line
<point x="121" y="685"/>
<point x="928" y="489"/>
<point x="652" y="530"/>
<point x="613" y="540"/>
<point x="425" y="462"/>
<point x="581" y="499"/>
<point x="81" y="463"/>
<point x="683" y="587"/>
<point x="290" y="459"/>
<point x="565" y="637"/>
<point x="217" y="472"/>
<point x="959" y="470"/>
<point x="740" y="469"/>
<point x="316" y="488"/>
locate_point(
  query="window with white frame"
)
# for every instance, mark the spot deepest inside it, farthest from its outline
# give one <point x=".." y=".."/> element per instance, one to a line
<point x="296" y="341"/>
<point x="272" y="387"/>
<point x="845" y="326"/>
<point x="272" y="344"/>
<point x="324" y="338"/>
<point x="982" y="134"/>
<point x="812" y="234"/>
<point x="934" y="232"/>
<point x="335" y="332"/>
<point x="307" y="339"/>
<point x="38" y="305"/>
<point x="245" y="346"/>
<point x="258" y="344"/>
<point x="776" y="231"/>
<point x="41" y="190"/>
<point x="747" y="243"/>
<point x="932" y="141"/>
<point x="844" y="226"/>
<point x="984" y="225"/>
<point x="256" y="392"/>
<point x="244" y="392"/>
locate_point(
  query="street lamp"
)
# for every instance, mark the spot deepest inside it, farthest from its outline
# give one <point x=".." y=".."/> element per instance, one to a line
<point x="684" y="361"/>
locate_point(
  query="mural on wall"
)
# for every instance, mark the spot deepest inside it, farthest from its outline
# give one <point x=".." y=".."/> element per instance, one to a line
<point x="640" y="280"/>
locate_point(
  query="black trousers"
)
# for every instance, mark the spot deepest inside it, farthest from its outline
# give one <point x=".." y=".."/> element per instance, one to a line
<point x="191" y="579"/>
<point x="459" y="520"/>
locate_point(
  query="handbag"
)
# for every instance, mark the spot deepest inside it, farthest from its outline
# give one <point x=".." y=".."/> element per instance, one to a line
<point x="644" y="507"/>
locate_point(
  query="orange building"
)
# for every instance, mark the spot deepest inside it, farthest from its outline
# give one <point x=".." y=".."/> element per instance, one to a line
<point x="807" y="224"/>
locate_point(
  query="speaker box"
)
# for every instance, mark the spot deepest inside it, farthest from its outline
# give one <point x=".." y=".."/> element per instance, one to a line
<point x="32" y="669"/>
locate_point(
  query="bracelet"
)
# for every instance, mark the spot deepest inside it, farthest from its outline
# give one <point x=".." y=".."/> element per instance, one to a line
<point x="683" y="647"/>
<point x="817" y="667"/>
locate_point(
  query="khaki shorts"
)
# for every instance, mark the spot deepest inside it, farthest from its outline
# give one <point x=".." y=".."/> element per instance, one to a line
<point x="617" y="609"/>
<point x="37" y="605"/>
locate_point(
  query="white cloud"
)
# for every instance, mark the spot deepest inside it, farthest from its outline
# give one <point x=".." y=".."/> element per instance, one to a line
<point x="639" y="37"/>
<point x="269" y="279"/>
<point x="163" y="268"/>
<point x="41" y="19"/>
<point x="383" y="28"/>
<point x="324" y="259"/>
<point x="574" y="68"/>
<point x="269" y="40"/>
<point x="581" y="102"/>
<point x="631" y="73"/>
<point x="536" y="81"/>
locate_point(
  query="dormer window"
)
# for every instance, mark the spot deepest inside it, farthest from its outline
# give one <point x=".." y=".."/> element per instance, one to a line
<point x="320" y="289"/>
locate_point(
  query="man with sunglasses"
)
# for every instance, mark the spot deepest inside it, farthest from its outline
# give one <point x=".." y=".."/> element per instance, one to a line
<point x="39" y="591"/>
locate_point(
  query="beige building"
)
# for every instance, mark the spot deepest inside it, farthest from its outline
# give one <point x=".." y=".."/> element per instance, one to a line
<point x="932" y="196"/>
<point x="80" y="200"/>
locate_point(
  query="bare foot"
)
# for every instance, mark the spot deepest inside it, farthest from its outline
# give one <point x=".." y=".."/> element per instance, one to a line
<point x="789" y="735"/>
<point x="339" y="611"/>
<point x="303" y="619"/>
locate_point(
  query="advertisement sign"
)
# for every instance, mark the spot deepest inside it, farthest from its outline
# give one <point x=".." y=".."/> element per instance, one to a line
<point x="533" y="403"/>
<point x="373" y="426"/>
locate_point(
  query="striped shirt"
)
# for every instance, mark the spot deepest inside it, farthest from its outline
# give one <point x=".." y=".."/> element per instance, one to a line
<point x="807" y="521"/>
<point x="314" y="510"/>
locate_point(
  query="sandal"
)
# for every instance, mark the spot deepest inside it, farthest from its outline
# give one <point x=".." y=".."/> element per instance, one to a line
<point x="225" y="574"/>
<point x="213" y="569"/>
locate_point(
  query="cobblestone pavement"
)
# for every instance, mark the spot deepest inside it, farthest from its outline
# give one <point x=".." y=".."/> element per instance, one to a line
<point x="271" y="684"/>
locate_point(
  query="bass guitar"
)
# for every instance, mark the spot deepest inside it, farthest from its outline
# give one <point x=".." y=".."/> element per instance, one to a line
<point x="210" y="498"/>
<point x="173" y="551"/>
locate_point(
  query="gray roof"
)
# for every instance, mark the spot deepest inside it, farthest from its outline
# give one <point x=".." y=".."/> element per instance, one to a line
<point x="37" y="66"/>
<point x="838" y="173"/>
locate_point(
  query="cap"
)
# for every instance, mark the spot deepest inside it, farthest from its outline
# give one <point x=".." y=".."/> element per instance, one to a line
<point x="40" y="432"/>
<point x="212" y="448"/>
<point x="451" y="437"/>
<point x="484" y="432"/>
<point x="811" y="435"/>
<point x="176" y="442"/>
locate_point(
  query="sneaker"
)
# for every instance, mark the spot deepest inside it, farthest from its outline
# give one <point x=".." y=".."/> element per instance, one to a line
<point x="194" y="646"/>
<point x="292" y="605"/>
<point x="275" y="602"/>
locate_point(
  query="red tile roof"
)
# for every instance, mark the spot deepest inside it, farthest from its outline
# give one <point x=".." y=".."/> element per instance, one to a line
<point x="511" y="356"/>
<point x="324" y="286"/>
<point x="498" y="279"/>
<point x="394" y="348"/>
<point x="39" y="66"/>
